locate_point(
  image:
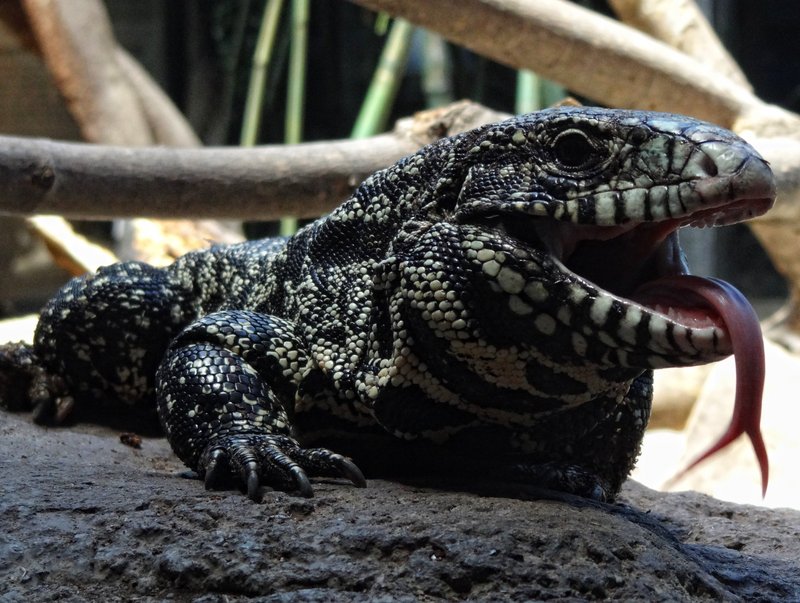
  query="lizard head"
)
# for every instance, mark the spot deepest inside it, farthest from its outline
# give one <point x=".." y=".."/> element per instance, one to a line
<point x="596" y="199"/>
<point x="570" y="218"/>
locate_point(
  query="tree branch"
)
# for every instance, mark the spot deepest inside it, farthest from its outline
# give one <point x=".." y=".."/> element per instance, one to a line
<point x="79" y="48"/>
<point x="682" y="25"/>
<point x="102" y="182"/>
<point x="306" y="180"/>
<point x="593" y="55"/>
<point x="168" y="125"/>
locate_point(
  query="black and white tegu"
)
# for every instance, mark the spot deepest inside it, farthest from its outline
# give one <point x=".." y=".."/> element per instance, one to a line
<point x="494" y="303"/>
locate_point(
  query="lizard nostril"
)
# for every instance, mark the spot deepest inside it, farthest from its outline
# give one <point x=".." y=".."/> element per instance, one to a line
<point x="701" y="164"/>
<point x="710" y="166"/>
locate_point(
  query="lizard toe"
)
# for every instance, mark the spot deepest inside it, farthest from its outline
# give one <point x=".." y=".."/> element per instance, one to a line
<point x="254" y="460"/>
<point x="561" y="477"/>
<point x="325" y="463"/>
<point x="216" y="468"/>
<point x="351" y="471"/>
<point x="250" y="477"/>
<point x="26" y="385"/>
<point x="52" y="410"/>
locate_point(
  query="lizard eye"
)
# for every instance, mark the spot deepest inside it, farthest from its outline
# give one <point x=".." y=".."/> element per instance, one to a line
<point x="573" y="150"/>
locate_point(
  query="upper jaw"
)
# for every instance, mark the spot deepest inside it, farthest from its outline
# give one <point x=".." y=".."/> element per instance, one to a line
<point x="619" y="257"/>
<point x="734" y="195"/>
<point x="724" y="196"/>
<point x="616" y="262"/>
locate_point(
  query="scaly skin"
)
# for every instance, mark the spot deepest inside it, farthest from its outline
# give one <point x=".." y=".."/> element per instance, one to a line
<point x="467" y="309"/>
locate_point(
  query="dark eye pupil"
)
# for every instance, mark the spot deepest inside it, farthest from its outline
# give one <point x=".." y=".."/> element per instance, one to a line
<point x="574" y="150"/>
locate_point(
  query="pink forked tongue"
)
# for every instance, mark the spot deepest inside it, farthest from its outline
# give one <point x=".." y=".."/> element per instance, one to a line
<point x="741" y="323"/>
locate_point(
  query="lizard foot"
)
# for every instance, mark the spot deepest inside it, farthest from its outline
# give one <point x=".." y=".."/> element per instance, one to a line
<point x="275" y="459"/>
<point x="571" y="479"/>
<point x="25" y="385"/>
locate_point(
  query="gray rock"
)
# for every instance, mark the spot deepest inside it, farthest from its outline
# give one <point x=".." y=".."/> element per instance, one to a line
<point x="85" y="518"/>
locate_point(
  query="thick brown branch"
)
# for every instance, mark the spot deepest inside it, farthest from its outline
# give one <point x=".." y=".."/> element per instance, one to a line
<point x="79" y="48"/>
<point x="100" y="182"/>
<point x="590" y="54"/>
<point x="168" y="125"/>
<point x="682" y="25"/>
<point x="305" y="180"/>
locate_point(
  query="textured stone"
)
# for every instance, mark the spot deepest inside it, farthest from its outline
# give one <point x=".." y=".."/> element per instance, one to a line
<point x="84" y="517"/>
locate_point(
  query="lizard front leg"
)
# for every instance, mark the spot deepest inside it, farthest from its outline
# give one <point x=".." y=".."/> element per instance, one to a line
<point x="223" y="389"/>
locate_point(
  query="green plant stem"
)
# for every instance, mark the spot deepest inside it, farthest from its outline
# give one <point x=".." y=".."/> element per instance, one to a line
<point x="528" y="95"/>
<point x="295" y="101"/>
<point x="262" y="57"/>
<point x="551" y="92"/>
<point x="437" y="74"/>
<point x="232" y="62"/>
<point x="534" y="92"/>
<point x="382" y="21"/>
<point x="382" y="90"/>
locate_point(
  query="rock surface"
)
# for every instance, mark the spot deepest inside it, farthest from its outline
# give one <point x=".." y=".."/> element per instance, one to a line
<point x="85" y="518"/>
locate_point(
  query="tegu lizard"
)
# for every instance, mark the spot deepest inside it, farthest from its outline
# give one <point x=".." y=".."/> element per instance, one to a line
<point x="493" y="303"/>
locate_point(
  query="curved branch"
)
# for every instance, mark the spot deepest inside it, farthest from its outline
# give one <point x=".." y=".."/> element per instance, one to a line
<point x="167" y="123"/>
<point x="682" y="25"/>
<point x="591" y="54"/>
<point x="79" y="48"/>
<point x="306" y="180"/>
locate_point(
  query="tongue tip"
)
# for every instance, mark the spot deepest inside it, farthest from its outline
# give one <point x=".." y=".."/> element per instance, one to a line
<point x="727" y="438"/>
<point x="763" y="459"/>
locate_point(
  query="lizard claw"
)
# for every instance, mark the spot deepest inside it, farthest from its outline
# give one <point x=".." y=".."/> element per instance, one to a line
<point x="302" y="482"/>
<point x="351" y="471"/>
<point x="26" y="385"/>
<point x="251" y="479"/>
<point x="256" y="459"/>
<point x="216" y="468"/>
<point x="572" y="479"/>
<point x="52" y="411"/>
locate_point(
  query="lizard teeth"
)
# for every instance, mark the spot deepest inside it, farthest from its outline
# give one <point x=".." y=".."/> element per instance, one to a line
<point x="555" y="244"/>
<point x="694" y="321"/>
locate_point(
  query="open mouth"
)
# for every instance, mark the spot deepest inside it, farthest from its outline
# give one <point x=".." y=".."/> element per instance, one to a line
<point x="642" y="264"/>
<point x="598" y="204"/>
<point x="628" y="261"/>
